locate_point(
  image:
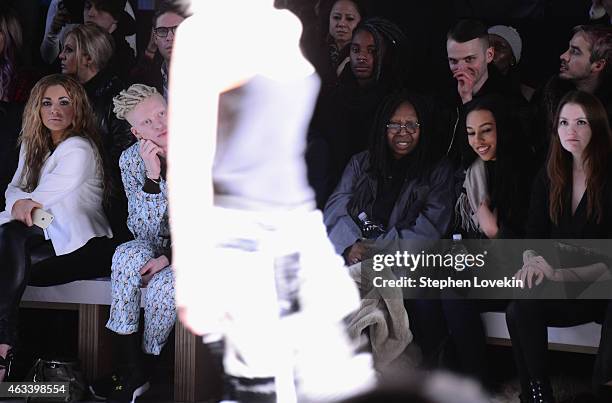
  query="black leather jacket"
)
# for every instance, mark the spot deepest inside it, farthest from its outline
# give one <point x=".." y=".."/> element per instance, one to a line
<point x="116" y="135"/>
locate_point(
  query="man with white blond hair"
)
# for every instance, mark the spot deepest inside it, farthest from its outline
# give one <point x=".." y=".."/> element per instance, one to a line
<point x="144" y="261"/>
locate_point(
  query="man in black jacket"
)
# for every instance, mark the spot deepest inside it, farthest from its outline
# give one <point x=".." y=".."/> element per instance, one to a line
<point x="469" y="59"/>
<point x="151" y="69"/>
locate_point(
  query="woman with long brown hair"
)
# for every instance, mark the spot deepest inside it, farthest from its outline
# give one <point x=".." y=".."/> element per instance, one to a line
<point x="60" y="171"/>
<point x="571" y="199"/>
<point x="10" y="43"/>
<point x="15" y="81"/>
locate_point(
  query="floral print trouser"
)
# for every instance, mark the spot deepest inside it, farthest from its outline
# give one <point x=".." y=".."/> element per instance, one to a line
<point x="159" y="307"/>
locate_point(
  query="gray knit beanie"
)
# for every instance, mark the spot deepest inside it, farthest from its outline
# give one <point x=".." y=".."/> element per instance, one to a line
<point x="511" y="36"/>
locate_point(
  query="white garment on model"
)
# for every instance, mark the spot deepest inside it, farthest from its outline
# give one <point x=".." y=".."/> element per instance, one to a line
<point x="252" y="258"/>
<point x="277" y="291"/>
<point x="71" y="187"/>
<point x="267" y="120"/>
<point x="50" y="45"/>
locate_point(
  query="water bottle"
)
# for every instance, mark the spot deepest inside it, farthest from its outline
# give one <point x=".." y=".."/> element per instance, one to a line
<point x="457" y="247"/>
<point x="370" y="229"/>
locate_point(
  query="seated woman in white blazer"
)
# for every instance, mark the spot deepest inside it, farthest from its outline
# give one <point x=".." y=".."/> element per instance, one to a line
<point x="60" y="171"/>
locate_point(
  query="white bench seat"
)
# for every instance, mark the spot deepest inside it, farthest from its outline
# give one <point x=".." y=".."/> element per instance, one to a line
<point x="583" y="338"/>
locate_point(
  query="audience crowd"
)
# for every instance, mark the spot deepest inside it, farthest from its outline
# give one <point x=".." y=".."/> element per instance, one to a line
<point x="493" y="145"/>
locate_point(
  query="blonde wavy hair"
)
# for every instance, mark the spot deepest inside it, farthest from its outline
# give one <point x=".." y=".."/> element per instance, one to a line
<point x="93" y="41"/>
<point x="35" y="137"/>
<point x="128" y="99"/>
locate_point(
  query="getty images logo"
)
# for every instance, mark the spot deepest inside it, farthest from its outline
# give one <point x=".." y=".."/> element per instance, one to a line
<point x="412" y="261"/>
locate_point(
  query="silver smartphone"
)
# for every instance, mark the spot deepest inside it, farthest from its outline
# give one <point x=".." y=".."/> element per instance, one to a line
<point x="41" y="218"/>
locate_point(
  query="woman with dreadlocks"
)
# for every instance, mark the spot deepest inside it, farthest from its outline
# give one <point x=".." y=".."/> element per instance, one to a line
<point x="395" y="185"/>
<point x="343" y="117"/>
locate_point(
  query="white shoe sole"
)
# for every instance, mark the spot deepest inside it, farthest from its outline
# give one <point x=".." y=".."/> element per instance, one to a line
<point x="95" y="396"/>
<point x="139" y="391"/>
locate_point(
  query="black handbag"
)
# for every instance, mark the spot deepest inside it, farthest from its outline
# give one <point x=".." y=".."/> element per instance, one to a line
<point x="59" y="371"/>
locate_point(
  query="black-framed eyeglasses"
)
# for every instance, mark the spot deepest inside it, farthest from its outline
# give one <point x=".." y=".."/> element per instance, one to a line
<point x="162" y="32"/>
<point x="396" y="128"/>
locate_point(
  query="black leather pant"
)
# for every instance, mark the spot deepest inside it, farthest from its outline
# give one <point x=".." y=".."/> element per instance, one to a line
<point x="528" y="321"/>
<point x="16" y="243"/>
<point x="27" y="258"/>
<point x="468" y="334"/>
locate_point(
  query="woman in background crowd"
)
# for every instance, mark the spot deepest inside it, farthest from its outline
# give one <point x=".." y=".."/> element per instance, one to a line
<point x="85" y="56"/>
<point x="330" y="56"/>
<point x="114" y="16"/>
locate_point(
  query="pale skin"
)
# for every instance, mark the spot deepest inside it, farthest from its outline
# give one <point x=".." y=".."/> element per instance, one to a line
<point x="468" y="62"/>
<point x="149" y="125"/>
<point x="606" y="4"/>
<point x="80" y="66"/>
<point x="575" y="134"/>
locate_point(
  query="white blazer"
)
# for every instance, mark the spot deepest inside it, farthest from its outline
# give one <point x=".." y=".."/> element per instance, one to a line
<point x="71" y="188"/>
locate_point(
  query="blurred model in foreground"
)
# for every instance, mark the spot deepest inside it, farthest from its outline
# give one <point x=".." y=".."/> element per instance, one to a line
<point x="253" y="263"/>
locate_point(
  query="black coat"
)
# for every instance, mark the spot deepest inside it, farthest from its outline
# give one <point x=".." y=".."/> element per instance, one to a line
<point x="123" y="60"/>
<point x="576" y="226"/>
<point x="116" y="137"/>
<point x="115" y="133"/>
<point x="10" y="125"/>
<point x="340" y="128"/>
<point x="451" y="112"/>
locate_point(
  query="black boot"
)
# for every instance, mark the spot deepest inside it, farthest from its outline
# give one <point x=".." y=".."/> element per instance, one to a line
<point x="604" y="393"/>
<point x="130" y="377"/>
<point x="5" y="364"/>
<point x="135" y="368"/>
<point x="539" y="391"/>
